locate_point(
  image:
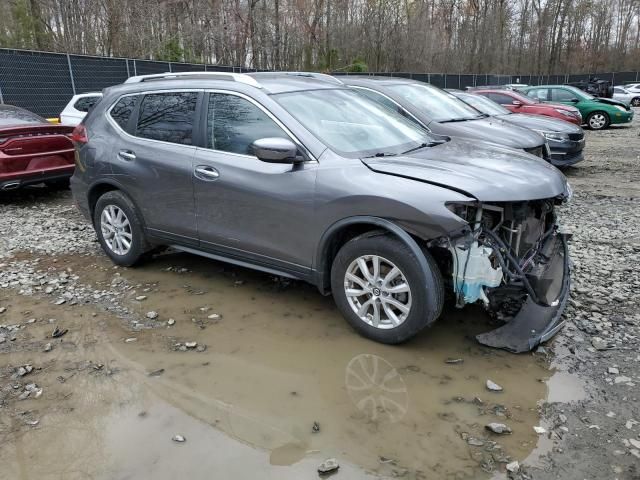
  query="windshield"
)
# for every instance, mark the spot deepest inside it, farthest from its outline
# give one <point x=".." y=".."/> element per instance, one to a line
<point x="438" y="104"/>
<point x="483" y="104"/>
<point x="352" y="124"/>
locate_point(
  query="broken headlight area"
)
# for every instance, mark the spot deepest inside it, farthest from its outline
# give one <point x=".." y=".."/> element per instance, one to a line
<point x="514" y="260"/>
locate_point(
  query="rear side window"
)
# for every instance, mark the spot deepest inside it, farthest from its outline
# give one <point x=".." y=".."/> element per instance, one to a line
<point x="234" y="123"/>
<point x="122" y="110"/>
<point x="538" y="93"/>
<point x="168" y="117"/>
<point x="85" y="104"/>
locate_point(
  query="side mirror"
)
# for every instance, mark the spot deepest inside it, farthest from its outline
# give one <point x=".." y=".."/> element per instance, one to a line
<point x="275" y="150"/>
<point x="517" y="103"/>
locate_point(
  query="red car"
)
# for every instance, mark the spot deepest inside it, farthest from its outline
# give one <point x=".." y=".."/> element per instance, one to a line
<point x="519" y="103"/>
<point x="33" y="150"/>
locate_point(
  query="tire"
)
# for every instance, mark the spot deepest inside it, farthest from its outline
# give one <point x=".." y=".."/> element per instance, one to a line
<point x="113" y="202"/>
<point x="635" y="102"/>
<point x="598" y="120"/>
<point x="424" y="301"/>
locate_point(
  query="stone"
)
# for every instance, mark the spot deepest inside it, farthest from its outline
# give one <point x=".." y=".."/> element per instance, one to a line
<point x="613" y="371"/>
<point x="171" y="322"/>
<point x="328" y="466"/>
<point x="513" y="467"/>
<point x="179" y="439"/>
<point x="499" y="428"/>
<point x="621" y="379"/>
<point x="152" y="315"/>
<point x="494" y="387"/>
<point x="599" y="344"/>
<point x="140" y="298"/>
<point x="539" y="430"/>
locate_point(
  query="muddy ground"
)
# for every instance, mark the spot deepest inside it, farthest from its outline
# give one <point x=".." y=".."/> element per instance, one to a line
<point x="264" y="379"/>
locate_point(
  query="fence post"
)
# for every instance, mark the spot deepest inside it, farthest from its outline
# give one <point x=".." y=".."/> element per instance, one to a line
<point x="1" y="98"/>
<point x="73" y="83"/>
<point x="126" y="62"/>
<point x="135" y="68"/>
<point x="169" y="67"/>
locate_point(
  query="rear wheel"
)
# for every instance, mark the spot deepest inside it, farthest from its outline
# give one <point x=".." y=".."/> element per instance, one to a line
<point x="598" y="120"/>
<point x="379" y="287"/>
<point x="635" y="101"/>
<point x="119" y="229"/>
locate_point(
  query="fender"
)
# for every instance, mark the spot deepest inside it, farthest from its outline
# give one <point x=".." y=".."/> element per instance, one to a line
<point x="116" y="186"/>
<point x="320" y="261"/>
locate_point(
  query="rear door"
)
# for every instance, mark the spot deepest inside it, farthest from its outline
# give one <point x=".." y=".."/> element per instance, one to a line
<point x="562" y="95"/>
<point x="153" y="158"/>
<point x="247" y="208"/>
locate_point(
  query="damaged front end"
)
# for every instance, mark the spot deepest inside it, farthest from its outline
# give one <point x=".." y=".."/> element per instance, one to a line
<point x="514" y="260"/>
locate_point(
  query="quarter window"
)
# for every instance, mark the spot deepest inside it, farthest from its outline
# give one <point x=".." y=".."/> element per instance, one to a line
<point x="85" y="104"/>
<point x="121" y="111"/>
<point x="234" y="123"/>
<point x="168" y="117"/>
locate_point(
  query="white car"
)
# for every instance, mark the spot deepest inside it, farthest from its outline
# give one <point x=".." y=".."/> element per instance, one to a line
<point x="626" y="96"/>
<point x="78" y="107"/>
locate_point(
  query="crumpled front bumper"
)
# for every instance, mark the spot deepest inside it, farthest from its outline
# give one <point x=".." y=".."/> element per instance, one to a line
<point x="537" y="322"/>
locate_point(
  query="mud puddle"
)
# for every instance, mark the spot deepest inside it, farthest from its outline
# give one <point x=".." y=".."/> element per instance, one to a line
<point x="278" y="358"/>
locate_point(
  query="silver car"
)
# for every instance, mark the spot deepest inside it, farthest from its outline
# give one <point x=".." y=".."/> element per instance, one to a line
<point x="627" y="96"/>
<point x="302" y="177"/>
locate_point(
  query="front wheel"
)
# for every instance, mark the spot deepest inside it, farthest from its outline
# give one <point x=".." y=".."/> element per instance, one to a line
<point x="119" y="229"/>
<point x="598" y="120"/>
<point x="381" y="290"/>
<point x="635" y="102"/>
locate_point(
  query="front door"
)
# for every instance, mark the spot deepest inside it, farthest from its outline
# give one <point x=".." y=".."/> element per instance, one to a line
<point x="247" y="208"/>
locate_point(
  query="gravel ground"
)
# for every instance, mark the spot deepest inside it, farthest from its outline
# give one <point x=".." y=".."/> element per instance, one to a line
<point x="594" y="436"/>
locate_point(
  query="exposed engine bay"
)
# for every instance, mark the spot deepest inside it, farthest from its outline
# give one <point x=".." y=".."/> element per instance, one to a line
<point x="515" y="261"/>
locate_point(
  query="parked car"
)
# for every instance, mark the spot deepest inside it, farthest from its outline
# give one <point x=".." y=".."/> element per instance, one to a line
<point x="625" y="96"/>
<point x="598" y="113"/>
<point x="302" y="177"/>
<point x="78" y="107"/>
<point x="594" y="86"/>
<point x="33" y="150"/>
<point x="632" y="87"/>
<point x="441" y="113"/>
<point x="566" y="141"/>
<point x="518" y="102"/>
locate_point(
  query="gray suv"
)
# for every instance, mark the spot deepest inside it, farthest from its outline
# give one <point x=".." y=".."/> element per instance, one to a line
<point x="297" y="175"/>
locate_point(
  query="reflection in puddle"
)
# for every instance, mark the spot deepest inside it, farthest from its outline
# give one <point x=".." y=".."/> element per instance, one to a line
<point x="279" y="359"/>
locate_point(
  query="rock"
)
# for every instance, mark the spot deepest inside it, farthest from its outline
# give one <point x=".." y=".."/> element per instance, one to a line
<point x="191" y="344"/>
<point x="513" y="467"/>
<point x="140" y="298"/>
<point x="60" y="301"/>
<point x="171" y="322"/>
<point x="621" y="379"/>
<point x="599" y="344"/>
<point x="494" y="387"/>
<point x="47" y="347"/>
<point x="315" y="428"/>
<point x="214" y="316"/>
<point x="634" y="443"/>
<point x="152" y="315"/>
<point x="499" y="428"/>
<point x="3" y="339"/>
<point x="475" y="442"/>
<point x="131" y="340"/>
<point x="328" y="466"/>
<point x="57" y="332"/>
<point x="201" y="348"/>
<point x="3" y="309"/>
<point x="179" y="439"/>
<point x="454" y="361"/>
<point x="613" y="371"/>
<point x="631" y="423"/>
<point x="539" y="430"/>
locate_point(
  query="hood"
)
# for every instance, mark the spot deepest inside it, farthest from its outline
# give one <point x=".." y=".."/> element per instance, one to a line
<point x="489" y="173"/>
<point x="541" y="123"/>
<point x="610" y="101"/>
<point x="490" y="129"/>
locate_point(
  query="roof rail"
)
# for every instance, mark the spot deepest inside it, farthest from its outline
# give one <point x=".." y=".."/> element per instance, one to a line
<point x="236" y="77"/>
<point x="320" y="76"/>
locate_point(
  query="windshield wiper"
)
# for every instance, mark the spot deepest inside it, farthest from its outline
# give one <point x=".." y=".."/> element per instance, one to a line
<point x="382" y="154"/>
<point x="455" y="120"/>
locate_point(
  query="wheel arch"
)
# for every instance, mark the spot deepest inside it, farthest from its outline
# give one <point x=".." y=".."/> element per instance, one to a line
<point x="103" y="186"/>
<point x="348" y="228"/>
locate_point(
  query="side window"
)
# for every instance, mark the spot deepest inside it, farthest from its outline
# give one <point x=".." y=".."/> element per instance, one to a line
<point x="121" y="111"/>
<point x="618" y="90"/>
<point x="538" y="93"/>
<point x="167" y="117"/>
<point x="85" y="104"/>
<point x="562" y="95"/>
<point x="234" y="123"/>
<point x="500" y="98"/>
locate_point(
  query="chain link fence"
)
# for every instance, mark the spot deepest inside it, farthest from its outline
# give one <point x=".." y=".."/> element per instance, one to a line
<point x="44" y="82"/>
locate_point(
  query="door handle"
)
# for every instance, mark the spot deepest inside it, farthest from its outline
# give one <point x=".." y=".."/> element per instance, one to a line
<point x="204" y="172"/>
<point x="127" y="155"/>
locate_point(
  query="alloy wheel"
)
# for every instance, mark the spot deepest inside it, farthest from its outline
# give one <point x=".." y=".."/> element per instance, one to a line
<point x="116" y="229"/>
<point x="377" y="291"/>
<point x="636" y="102"/>
<point x="597" y="121"/>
